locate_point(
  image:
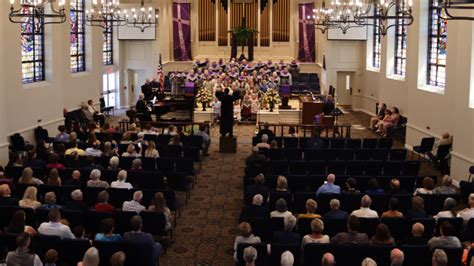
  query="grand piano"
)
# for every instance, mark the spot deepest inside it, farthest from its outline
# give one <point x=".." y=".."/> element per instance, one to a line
<point x="174" y="109"/>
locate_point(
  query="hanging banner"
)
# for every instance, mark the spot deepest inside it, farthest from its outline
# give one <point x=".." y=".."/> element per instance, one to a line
<point x="182" y="31"/>
<point x="307" y="43"/>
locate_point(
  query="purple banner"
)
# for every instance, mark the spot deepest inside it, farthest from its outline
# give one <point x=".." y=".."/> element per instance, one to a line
<point x="182" y="31"/>
<point x="307" y="47"/>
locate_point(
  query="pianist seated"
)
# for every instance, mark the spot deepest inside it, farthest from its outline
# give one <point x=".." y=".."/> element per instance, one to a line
<point x="143" y="113"/>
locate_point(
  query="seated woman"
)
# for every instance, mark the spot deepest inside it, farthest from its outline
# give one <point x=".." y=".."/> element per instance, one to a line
<point x="392" y="209"/>
<point x="317" y="228"/>
<point x="49" y="201"/>
<point x="311" y="206"/>
<point x="137" y="166"/>
<point x="373" y="187"/>
<point x="103" y="202"/>
<point x="53" y="160"/>
<point x="109" y="149"/>
<point x="108" y="227"/>
<point x="121" y="181"/>
<point x="389" y="121"/>
<point x="449" y="209"/>
<point x="54" y="178"/>
<point x="17" y="224"/>
<point x="376" y="119"/>
<point x="95" y="180"/>
<point x="351" y="186"/>
<point x="158" y="204"/>
<point x="428" y="187"/>
<point x="131" y="152"/>
<point x="281" y="209"/>
<point x="382" y="236"/>
<point x="114" y="163"/>
<point x="417" y="208"/>
<point x="245" y="236"/>
<point x="151" y="150"/>
<point x="28" y="179"/>
<point x="29" y="199"/>
<point x="175" y="140"/>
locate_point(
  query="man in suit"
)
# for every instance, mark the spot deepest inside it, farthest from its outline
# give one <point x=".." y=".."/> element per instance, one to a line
<point x="227" y="110"/>
<point x="335" y="212"/>
<point x="287" y="236"/>
<point x="6" y="198"/>
<point x="77" y="203"/>
<point x="417" y="238"/>
<point x="256" y="210"/>
<point x="142" y="108"/>
<point x="137" y="237"/>
<point x="329" y="105"/>
<point x="147" y="89"/>
<point x="352" y="236"/>
<point x="266" y="131"/>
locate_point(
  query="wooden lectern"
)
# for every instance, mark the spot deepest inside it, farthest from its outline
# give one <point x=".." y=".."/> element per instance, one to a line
<point x="309" y="109"/>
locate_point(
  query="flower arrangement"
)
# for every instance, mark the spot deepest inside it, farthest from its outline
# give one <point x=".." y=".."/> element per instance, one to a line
<point x="204" y="96"/>
<point x="272" y="97"/>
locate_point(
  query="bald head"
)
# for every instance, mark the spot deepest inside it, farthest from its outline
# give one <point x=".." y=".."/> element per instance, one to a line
<point x="259" y="179"/>
<point x="418" y="229"/>
<point x="328" y="260"/>
<point x="257" y="200"/>
<point x="366" y="201"/>
<point x="396" y="257"/>
<point x="331" y="178"/>
<point x="395" y="184"/>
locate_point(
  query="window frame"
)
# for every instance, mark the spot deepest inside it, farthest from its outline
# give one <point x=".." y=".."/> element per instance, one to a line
<point x="38" y="46"/>
<point x="376" y="44"/>
<point x="108" y="41"/>
<point x="80" y="35"/>
<point x="434" y="11"/>
<point x="400" y="51"/>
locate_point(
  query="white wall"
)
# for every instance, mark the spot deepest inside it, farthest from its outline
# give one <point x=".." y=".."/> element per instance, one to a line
<point x="23" y="107"/>
<point x="429" y="113"/>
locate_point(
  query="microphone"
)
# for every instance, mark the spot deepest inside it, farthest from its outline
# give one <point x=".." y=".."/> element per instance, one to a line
<point x="311" y="93"/>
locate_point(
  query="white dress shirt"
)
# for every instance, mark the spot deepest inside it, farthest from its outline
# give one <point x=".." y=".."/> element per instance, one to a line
<point x="55" y="229"/>
<point x="365" y="213"/>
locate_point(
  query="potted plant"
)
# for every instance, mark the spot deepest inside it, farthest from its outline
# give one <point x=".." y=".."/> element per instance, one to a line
<point x="204" y="96"/>
<point x="272" y="97"/>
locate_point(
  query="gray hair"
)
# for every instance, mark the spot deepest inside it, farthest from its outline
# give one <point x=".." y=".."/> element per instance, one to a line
<point x="335" y="204"/>
<point x="368" y="262"/>
<point x="366" y="201"/>
<point x="287" y="259"/>
<point x="289" y="222"/>
<point x="91" y="257"/>
<point x="257" y="200"/>
<point x="141" y="135"/>
<point x="317" y="225"/>
<point x="137" y="196"/>
<point x="439" y="258"/>
<point x="250" y="254"/>
<point x="50" y="198"/>
<point x="264" y="138"/>
<point x="114" y="161"/>
<point x="76" y="194"/>
<point x="122" y="176"/>
<point x="95" y="174"/>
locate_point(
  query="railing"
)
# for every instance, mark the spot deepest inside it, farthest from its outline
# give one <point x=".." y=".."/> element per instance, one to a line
<point x="187" y="126"/>
<point x="327" y="131"/>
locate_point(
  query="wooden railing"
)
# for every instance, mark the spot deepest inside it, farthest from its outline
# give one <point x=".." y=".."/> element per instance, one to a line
<point x="161" y="126"/>
<point x="324" y="131"/>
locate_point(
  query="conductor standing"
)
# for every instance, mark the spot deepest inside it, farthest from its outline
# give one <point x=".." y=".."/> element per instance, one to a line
<point x="227" y="110"/>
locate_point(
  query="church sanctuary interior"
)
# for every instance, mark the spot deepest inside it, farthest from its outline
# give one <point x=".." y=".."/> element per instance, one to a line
<point x="237" y="132"/>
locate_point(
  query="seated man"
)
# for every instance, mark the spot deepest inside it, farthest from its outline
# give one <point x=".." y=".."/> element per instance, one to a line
<point x="329" y="105"/>
<point x="264" y="143"/>
<point x="446" y="187"/>
<point x="206" y="140"/>
<point x="365" y="211"/>
<point x="6" y="198"/>
<point x="259" y="187"/>
<point x="446" y="238"/>
<point x="329" y="187"/>
<point x="256" y="158"/>
<point x="417" y="238"/>
<point x="335" y="212"/>
<point x="287" y="236"/>
<point x="468" y="213"/>
<point x="54" y="227"/>
<point x="256" y="210"/>
<point x="352" y="236"/>
<point x="134" y="205"/>
<point x="142" y="108"/>
<point x="77" y="203"/>
<point x="266" y="130"/>
<point x="136" y="236"/>
<point x="22" y="255"/>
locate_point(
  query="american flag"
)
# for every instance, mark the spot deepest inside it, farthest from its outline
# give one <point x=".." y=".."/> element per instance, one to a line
<point x="161" y="75"/>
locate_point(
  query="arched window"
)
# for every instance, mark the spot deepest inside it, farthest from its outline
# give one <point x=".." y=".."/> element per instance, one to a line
<point x="32" y="48"/>
<point x="437" y="40"/>
<point x="108" y="47"/>
<point x="400" y="41"/>
<point x="77" y="38"/>
<point x="376" y="44"/>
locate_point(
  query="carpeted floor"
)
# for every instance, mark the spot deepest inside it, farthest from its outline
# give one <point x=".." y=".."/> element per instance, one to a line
<point x="206" y="230"/>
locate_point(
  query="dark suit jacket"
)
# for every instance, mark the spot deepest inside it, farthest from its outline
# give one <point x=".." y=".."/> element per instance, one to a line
<point x="139" y="238"/>
<point x="258" y="189"/>
<point x="350" y="238"/>
<point x="76" y="206"/>
<point x="255" y="159"/>
<point x="284" y="237"/>
<point x="411" y="214"/>
<point x="413" y="240"/>
<point x="268" y="132"/>
<point x="254" y="211"/>
<point x="141" y="107"/>
<point x="72" y="183"/>
<point x="336" y="214"/>
<point x="328" y="107"/>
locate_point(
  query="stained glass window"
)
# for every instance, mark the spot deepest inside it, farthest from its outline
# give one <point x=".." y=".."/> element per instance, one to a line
<point x="77" y="37"/>
<point x="107" y="48"/>
<point x="437" y="41"/>
<point x="400" y="41"/>
<point x="32" y="47"/>
<point x="376" y="45"/>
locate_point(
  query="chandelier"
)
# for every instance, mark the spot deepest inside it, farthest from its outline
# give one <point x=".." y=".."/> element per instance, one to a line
<point x="143" y="18"/>
<point x="386" y="14"/>
<point x="38" y="11"/>
<point x="105" y="14"/>
<point x="340" y="14"/>
<point x="447" y="5"/>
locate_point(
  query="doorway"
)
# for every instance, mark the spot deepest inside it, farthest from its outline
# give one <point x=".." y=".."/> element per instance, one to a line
<point x="345" y="83"/>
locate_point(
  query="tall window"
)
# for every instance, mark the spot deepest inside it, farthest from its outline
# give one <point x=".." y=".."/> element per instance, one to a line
<point x="77" y="36"/>
<point x="107" y="48"/>
<point x="32" y="48"/>
<point x="400" y="41"/>
<point x="437" y="40"/>
<point x="376" y="45"/>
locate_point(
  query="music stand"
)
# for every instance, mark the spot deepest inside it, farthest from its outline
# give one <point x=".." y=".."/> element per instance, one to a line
<point x="336" y="113"/>
<point x="285" y="92"/>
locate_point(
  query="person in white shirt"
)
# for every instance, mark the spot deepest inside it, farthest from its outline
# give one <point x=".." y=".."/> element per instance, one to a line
<point x="365" y="211"/>
<point x="120" y="183"/>
<point x="245" y="236"/>
<point x="449" y="209"/>
<point x="281" y="209"/>
<point x="317" y="227"/>
<point x="468" y="213"/>
<point x="54" y="227"/>
<point x="94" y="150"/>
<point x="264" y="143"/>
<point x="21" y="255"/>
<point x="134" y="205"/>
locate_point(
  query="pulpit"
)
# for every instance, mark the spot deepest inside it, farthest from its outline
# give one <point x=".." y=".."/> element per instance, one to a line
<point x="285" y="93"/>
<point x="189" y="89"/>
<point x="309" y="108"/>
